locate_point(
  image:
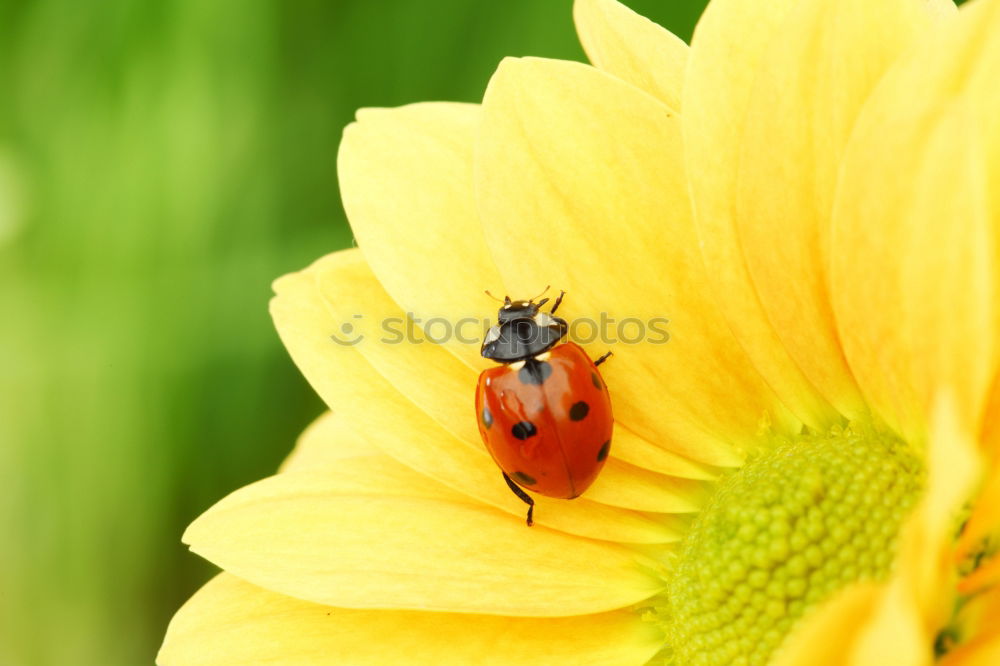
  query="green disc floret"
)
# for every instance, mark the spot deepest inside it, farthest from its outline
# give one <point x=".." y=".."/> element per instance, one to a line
<point x="793" y="525"/>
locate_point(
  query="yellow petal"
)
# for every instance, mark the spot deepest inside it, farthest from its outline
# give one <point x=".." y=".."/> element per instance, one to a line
<point x="631" y="487"/>
<point x="913" y="253"/>
<point x="406" y="181"/>
<point x="920" y="595"/>
<point x="729" y="43"/>
<point x="580" y="185"/>
<point x="635" y="450"/>
<point x="812" y="81"/>
<point x="418" y="368"/>
<point x="633" y="48"/>
<point x="862" y="625"/>
<point x="990" y="437"/>
<point x="977" y="622"/>
<point x="230" y="622"/>
<point x="374" y="534"/>
<point x="939" y="103"/>
<point x="982" y="527"/>
<point x="987" y="575"/>
<point x="391" y="422"/>
<point x="983" y="651"/>
<point x="327" y="441"/>
<point x="926" y="557"/>
<point x="834" y="623"/>
<point x="894" y="633"/>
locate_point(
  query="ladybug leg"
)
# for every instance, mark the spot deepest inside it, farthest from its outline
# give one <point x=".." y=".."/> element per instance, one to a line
<point x="558" y="301"/>
<point x="523" y="496"/>
<point x="602" y="359"/>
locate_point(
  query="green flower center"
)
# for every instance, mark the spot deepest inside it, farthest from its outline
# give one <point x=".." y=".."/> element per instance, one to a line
<point x="788" y="529"/>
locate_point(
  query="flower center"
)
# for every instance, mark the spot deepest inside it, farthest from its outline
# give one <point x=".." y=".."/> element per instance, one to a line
<point x="785" y="531"/>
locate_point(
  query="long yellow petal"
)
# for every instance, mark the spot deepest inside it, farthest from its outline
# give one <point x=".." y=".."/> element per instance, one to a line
<point x="983" y="651"/>
<point x="863" y="625"/>
<point x="823" y="635"/>
<point x="230" y="622"/>
<point x="986" y="576"/>
<point x="977" y="623"/>
<point x="633" y="48"/>
<point x="926" y="552"/>
<point x="638" y="451"/>
<point x="575" y="171"/>
<point x="913" y="258"/>
<point x="930" y="136"/>
<point x="894" y="633"/>
<point x="982" y="527"/>
<point x="310" y="535"/>
<point x="328" y="440"/>
<point x="729" y="43"/>
<point x="391" y="422"/>
<point x="631" y="487"/>
<point x="920" y="596"/>
<point x="817" y="72"/>
<point x="410" y="360"/>
<point x="406" y="181"/>
<point x="990" y="437"/>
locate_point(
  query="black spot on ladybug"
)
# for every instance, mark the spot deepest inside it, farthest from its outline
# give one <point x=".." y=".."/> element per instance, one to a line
<point x="603" y="453"/>
<point x="579" y="411"/>
<point x="523" y="429"/>
<point x="597" y="381"/>
<point x="534" y="372"/>
<point x="487" y="417"/>
<point x="524" y="479"/>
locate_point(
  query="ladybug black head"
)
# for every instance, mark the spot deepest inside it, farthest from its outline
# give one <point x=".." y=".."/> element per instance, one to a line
<point x="515" y="310"/>
<point x="522" y="331"/>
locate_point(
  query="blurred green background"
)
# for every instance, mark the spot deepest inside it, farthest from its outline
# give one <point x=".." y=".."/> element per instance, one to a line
<point x="160" y="164"/>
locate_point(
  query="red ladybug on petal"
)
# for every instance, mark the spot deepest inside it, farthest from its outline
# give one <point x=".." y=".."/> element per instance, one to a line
<point x="544" y="413"/>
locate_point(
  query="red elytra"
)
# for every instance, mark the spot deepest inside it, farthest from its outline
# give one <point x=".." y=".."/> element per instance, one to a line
<point x="545" y="417"/>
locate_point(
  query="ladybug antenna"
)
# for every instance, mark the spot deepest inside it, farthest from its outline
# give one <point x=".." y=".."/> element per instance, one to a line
<point x="541" y="294"/>
<point x="494" y="297"/>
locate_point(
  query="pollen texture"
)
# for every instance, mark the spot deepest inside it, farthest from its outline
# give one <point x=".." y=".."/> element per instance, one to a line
<point x="785" y="531"/>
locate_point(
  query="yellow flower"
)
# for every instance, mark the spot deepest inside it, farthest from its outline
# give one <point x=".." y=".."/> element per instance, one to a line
<point x="805" y="473"/>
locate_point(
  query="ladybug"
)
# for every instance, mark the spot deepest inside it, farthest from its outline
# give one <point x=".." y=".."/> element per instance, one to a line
<point x="544" y="413"/>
